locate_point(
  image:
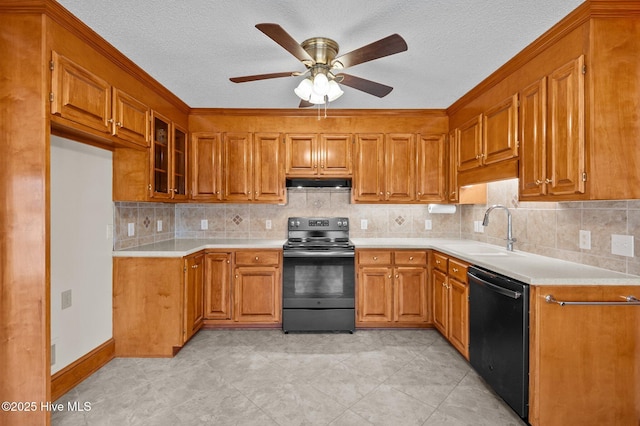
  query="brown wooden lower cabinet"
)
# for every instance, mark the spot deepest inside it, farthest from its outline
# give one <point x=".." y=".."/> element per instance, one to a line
<point x="392" y="288"/>
<point x="243" y="287"/>
<point x="217" y="290"/>
<point x="451" y="300"/>
<point x="157" y="304"/>
<point x="585" y="359"/>
<point x="160" y="303"/>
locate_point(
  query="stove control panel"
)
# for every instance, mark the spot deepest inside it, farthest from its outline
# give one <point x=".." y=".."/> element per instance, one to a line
<point x="319" y="223"/>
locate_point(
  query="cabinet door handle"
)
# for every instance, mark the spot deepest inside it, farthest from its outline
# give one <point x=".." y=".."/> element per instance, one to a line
<point x="397" y="275"/>
<point x="110" y="120"/>
<point x="548" y="181"/>
<point x="389" y="276"/>
<point x="228" y="261"/>
<point x="538" y="182"/>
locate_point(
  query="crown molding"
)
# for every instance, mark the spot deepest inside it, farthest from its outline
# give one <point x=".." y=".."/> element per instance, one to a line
<point x="313" y="112"/>
<point x="582" y="14"/>
<point x="57" y="13"/>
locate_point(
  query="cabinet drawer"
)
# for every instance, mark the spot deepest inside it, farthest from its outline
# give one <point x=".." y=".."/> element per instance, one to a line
<point x="374" y="257"/>
<point x="410" y="257"/>
<point x="255" y="257"/>
<point x="458" y="270"/>
<point x="440" y="262"/>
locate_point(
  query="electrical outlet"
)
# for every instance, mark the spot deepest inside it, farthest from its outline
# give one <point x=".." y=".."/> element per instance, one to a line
<point x="204" y="224"/>
<point x="622" y="245"/>
<point x="65" y="297"/>
<point x="585" y="239"/>
<point x="131" y="229"/>
<point x="477" y="226"/>
<point x="267" y="223"/>
<point x="428" y="225"/>
<point x="159" y="226"/>
<point x="364" y="223"/>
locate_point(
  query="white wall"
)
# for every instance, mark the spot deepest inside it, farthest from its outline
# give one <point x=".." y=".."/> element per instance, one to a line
<point x="81" y="246"/>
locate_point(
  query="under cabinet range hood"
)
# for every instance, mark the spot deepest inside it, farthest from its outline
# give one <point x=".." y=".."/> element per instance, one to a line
<point x="326" y="183"/>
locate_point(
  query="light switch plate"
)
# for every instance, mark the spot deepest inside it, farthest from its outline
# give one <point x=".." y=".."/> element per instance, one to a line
<point x="65" y="298"/>
<point x="131" y="229"/>
<point x="204" y="224"/>
<point x="622" y="245"/>
<point x="267" y="224"/>
<point x="159" y="226"/>
<point x="585" y="239"/>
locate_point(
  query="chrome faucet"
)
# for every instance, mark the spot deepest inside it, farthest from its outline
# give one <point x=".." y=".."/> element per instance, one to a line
<point x="485" y="222"/>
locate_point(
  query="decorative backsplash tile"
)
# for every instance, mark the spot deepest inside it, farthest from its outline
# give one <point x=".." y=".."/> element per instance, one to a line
<point x="546" y="228"/>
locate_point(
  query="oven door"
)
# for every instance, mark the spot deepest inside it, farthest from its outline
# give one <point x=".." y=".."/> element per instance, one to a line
<point x="318" y="279"/>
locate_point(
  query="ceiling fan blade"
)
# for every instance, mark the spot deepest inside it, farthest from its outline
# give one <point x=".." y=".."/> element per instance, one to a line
<point x="263" y="76"/>
<point x="368" y="86"/>
<point x="378" y="49"/>
<point x="305" y="104"/>
<point x="276" y="33"/>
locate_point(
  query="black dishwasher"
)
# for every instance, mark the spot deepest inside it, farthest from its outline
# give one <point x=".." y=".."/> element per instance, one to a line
<point x="499" y="335"/>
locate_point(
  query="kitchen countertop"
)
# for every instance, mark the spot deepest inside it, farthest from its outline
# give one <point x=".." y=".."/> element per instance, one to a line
<point x="526" y="267"/>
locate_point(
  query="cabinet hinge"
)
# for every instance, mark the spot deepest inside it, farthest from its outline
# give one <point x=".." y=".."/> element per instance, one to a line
<point x="584" y="176"/>
<point x="51" y="64"/>
<point x="50" y="96"/>
<point x="584" y="69"/>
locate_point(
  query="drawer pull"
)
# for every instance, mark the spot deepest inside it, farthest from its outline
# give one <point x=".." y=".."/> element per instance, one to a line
<point x="455" y="269"/>
<point x="437" y="262"/>
<point x="375" y="257"/>
<point x="628" y="301"/>
<point x="410" y="257"/>
<point x="256" y="257"/>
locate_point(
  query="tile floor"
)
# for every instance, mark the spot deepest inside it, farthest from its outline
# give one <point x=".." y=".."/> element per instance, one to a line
<point x="264" y="377"/>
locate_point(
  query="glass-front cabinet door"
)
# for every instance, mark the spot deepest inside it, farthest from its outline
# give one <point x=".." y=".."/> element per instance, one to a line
<point x="168" y="160"/>
<point x="179" y="173"/>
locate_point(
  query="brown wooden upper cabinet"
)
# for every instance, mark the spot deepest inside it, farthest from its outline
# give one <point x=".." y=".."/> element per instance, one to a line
<point x="385" y="168"/>
<point x="168" y="158"/>
<point x="552" y="131"/>
<point x="85" y="99"/>
<point x="490" y="137"/>
<point x="431" y="168"/>
<point x="253" y="168"/>
<point x="206" y="166"/>
<point x="318" y="155"/>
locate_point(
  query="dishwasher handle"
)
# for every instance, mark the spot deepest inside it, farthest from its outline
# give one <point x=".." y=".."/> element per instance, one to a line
<point x="496" y="288"/>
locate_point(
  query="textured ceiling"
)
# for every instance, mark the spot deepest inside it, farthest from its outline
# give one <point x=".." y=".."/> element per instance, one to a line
<point x="192" y="47"/>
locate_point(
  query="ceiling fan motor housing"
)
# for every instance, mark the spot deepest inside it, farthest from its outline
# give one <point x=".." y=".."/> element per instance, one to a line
<point x="322" y="50"/>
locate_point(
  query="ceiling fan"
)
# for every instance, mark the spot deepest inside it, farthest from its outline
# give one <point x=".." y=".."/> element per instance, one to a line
<point x="319" y="56"/>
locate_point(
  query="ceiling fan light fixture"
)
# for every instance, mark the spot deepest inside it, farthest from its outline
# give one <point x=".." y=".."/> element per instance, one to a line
<point x="304" y="89"/>
<point x="320" y="84"/>
<point x="334" y="91"/>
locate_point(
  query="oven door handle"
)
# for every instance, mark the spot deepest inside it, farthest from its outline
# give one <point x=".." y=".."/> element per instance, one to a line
<point x="496" y="288"/>
<point x="318" y="253"/>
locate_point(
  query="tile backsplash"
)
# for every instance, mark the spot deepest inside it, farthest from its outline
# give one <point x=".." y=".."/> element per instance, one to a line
<point x="553" y="229"/>
<point x="548" y="228"/>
